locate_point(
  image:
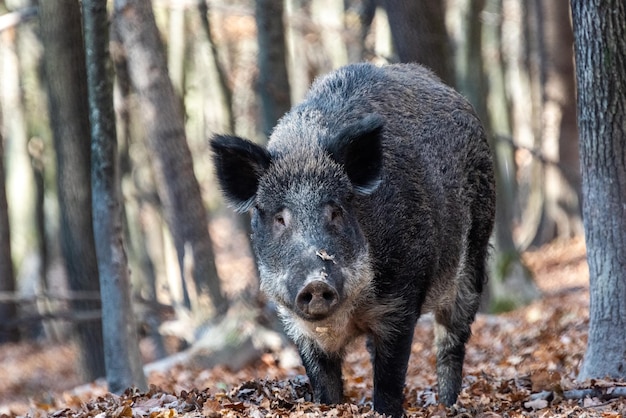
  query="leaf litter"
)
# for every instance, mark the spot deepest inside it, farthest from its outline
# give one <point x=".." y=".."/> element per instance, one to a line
<point x="519" y="364"/>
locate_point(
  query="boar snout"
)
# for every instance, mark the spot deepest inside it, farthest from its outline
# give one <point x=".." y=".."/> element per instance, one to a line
<point x="317" y="299"/>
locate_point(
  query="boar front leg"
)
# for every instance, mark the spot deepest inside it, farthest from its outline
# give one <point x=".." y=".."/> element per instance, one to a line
<point x="390" y="358"/>
<point x="324" y="372"/>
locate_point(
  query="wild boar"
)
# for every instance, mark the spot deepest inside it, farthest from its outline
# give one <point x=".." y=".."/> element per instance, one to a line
<point x="373" y="202"/>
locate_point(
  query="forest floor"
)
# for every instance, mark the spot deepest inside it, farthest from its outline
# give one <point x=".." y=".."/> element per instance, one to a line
<point x="519" y="364"/>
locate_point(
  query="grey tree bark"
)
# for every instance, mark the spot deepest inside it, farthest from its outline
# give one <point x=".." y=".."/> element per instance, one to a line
<point x="121" y="350"/>
<point x="136" y="181"/>
<point x="600" y="51"/>
<point x="419" y="33"/>
<point x="164" y="122"/>
<point x="273" y="82"/>
<point x="64" y="63"/>
<point x="7" y="277"/>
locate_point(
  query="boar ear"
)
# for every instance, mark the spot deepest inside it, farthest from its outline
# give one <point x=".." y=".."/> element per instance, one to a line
<point x="239" y="164"/>
<point x="358" y="148"/>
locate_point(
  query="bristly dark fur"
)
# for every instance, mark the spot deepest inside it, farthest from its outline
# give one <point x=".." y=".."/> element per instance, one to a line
<point x="373" y="202"/>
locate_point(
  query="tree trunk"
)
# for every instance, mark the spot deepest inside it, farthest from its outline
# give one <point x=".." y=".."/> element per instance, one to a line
<point x="273" y="83"/>
<point x="19" y="178"/>
<point x="419" y="33"/>
<point x="64" y="63"/>
<point x="217" y="74"/>
<point x="358" y="18"/>
<point x="164" y="121"/>
<point x="328" y="17"/>
<point x="559" y="134"/>
<point x="122" y="356"/>
<point x="138" y="186"/>
<point x="176" y="47"/>
<point x="510" y="284"/>
<point x="600" y="50"/>
<point x="301" y="69"/>
<point x="7" y="279"/>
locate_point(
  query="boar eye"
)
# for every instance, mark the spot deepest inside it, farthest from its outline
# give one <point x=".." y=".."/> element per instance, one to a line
<point x="334" y="214"/>
<point x="282" y="220"/>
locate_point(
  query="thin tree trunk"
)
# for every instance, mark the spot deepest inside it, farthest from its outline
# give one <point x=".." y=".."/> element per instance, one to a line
<point x="64" y="62"/>
<point x="19" y="180"/>
<point x="511" y="284"/>
<point x="37" y="125"/>
<point x="561" y="214"/>
<point x="480" y="76"/>
<point x="328" y="16"/>
<point x="358" y="18"/>
<point x="222" y="89"/>
<point x="136" y="183"/>
<point x="7" y="279"/>
<point x="273" y="83"/>
<point x="175" y="62"/>
<point x="176" y="47"/>
<point x="526" y="90"/>
<point x="122" y="356"/>
<point x="600" y="50"/>
<point x="470" y="77"/>
<point x="163" y="118"/>
<point x="301" y="71"/>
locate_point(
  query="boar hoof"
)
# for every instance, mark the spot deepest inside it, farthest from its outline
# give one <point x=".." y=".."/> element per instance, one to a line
<point x="317" y="299"/>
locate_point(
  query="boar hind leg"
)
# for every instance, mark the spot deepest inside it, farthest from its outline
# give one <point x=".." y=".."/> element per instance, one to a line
<point x="324" y="372"/>
<point x="453" y="323"/>
<point x="452" y="330"/>
<point x="390" y="357"/>
<point x="450" y="346"/>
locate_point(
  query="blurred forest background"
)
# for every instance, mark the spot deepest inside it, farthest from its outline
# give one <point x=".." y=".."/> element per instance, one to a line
<point x="185" y="70"/>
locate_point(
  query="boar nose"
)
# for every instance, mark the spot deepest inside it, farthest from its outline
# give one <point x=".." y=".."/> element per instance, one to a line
<point x="317" y="299"/>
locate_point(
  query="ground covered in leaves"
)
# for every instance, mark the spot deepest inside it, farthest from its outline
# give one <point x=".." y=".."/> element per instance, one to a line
<point x="520" y="364"/>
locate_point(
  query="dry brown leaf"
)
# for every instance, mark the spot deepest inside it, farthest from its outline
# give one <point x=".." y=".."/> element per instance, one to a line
<point x="546" y="380"/>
